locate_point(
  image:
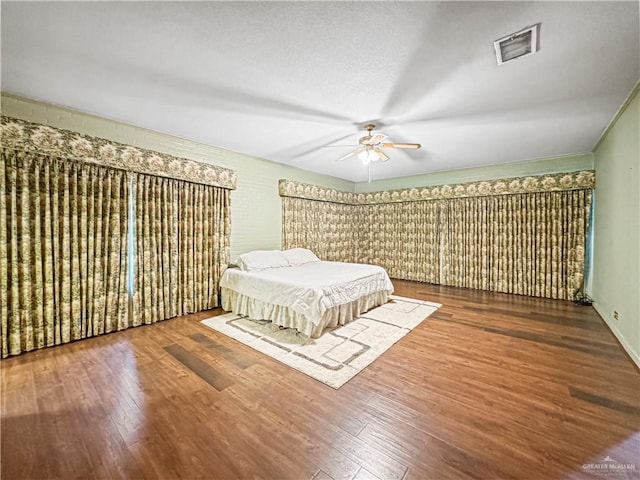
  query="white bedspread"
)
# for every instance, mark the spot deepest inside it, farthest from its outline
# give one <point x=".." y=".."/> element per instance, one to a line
<point x="309" y="289"/>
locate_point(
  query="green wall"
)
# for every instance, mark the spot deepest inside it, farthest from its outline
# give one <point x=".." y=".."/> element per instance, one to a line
<point x="256" y="219"/>
<point x="568" y="163"/>
<point x="616" y="266"/>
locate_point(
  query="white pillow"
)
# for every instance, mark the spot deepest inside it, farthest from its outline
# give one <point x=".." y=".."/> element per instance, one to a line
<point x="300" y="256"/>
<point x="261" y="260"/>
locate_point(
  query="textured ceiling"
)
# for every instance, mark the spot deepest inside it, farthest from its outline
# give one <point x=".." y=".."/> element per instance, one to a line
<point x="281" y="80"/>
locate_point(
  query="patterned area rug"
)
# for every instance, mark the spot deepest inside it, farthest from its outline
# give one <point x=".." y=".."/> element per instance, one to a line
<point x="340" y="353"/>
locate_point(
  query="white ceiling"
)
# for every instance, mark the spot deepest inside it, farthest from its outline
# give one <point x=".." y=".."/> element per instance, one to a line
<point x="281" y="80"/>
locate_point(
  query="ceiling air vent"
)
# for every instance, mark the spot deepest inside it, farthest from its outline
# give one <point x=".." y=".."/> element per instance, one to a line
<point x="517" y="45"/>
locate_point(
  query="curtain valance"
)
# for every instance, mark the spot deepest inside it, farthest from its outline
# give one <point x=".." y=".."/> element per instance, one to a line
<point x="580" y="180"/>
<point x="26" y="136"/>
<point x="290" y="188"/>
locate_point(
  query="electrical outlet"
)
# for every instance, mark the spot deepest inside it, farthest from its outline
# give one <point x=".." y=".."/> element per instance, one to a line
<point x="615" y="314"/>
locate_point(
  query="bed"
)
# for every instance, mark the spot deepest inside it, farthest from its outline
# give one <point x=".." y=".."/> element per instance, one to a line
<point x="294" y="289"/>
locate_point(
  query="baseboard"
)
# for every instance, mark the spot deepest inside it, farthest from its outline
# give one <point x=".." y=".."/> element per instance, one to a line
<point x="635" y="357"/>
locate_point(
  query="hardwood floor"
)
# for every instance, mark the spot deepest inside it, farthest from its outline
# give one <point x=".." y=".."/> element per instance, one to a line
<point x="491" y="386"/>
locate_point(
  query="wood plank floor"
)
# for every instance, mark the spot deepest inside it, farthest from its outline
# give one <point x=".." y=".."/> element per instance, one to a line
<point x="491" y="386"/>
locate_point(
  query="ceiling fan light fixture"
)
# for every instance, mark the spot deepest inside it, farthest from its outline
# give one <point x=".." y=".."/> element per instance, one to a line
<point x="368" y="156"/>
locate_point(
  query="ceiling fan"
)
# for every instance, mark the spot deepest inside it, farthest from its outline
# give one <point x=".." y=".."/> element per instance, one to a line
<point x="369" y="148"/>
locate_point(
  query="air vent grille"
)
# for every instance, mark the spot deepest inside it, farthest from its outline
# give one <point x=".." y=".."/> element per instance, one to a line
<point x="517" y="45"/>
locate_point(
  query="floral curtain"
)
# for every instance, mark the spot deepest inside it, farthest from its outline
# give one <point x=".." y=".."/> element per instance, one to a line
<point x="326" y="228"/>
<point x="528" y="244"/>
<point x="404" y="238"/>
<point x="63" y="250"/>
<point x="70" y="206"/>
<point x="523" y="236"/>
<point x="182" y="234"/>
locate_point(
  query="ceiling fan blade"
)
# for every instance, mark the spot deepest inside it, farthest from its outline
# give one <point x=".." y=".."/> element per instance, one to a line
<point x="350" y="145"/>
<point x="383" y="156"/>
<point x="355" y="152"/>
<point x="377" y="138"/>
<point x="401" y="145"/>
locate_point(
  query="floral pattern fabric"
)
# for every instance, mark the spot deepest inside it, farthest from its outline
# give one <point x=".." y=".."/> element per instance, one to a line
<point x="63" y="250"/>
<point x="524" y="243"/>
<point x="65" y="243"/>
<point x="32" y="137"/>
<point x="528" y="244"/>
<point x="324" y="228"/>
<point x="554" y="182"/>
<point x="182" y="247"/>
<point x="404" y="238"/>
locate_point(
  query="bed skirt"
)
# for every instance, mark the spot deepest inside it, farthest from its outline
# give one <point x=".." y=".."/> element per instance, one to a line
<point x="239" y="304"/>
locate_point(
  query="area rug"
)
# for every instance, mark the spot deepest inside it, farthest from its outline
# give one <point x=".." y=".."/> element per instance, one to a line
<point x="340" y="353"/>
